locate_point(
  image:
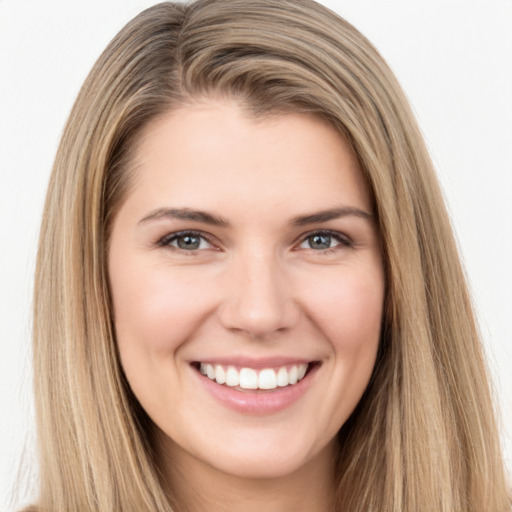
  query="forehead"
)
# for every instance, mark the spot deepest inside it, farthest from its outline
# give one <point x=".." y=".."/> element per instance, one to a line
<point x="213" y="154"/>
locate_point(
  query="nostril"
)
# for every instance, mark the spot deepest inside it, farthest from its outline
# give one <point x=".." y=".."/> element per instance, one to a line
<point x="259" y="319"/>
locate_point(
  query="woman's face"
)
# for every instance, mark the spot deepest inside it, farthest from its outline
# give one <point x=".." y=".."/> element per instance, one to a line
<point x="246" y="250"/>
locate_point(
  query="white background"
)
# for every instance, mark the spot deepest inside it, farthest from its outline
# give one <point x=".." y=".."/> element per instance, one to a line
<point x="453" y="58"/>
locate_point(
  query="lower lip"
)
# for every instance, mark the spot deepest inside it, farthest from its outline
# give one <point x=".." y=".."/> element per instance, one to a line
<point x="258" y="401"/>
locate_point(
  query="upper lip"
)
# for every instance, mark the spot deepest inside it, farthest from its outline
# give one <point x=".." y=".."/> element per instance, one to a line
<point x="256" y="363"/>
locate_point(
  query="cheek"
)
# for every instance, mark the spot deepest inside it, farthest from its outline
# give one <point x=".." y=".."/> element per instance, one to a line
<point x="347" y="308"/>
<point x="156" y="310"/>
<point x="351" y="322"/>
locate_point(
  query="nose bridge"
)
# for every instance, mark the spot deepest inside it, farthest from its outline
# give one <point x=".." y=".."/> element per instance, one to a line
<point x="257" y="298"/>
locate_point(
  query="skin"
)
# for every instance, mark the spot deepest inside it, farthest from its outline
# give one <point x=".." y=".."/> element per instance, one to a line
<point x="255" y="287"/>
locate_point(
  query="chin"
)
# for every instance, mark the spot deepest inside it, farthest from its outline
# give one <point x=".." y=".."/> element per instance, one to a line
<point x="265" y="455"/>
<point x="262" y="465"/>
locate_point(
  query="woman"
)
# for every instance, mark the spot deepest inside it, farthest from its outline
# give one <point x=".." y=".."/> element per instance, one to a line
<point x="248" y="295"/>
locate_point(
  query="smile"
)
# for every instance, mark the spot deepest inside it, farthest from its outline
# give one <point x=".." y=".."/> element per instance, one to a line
<point x="252" y="379"/>
<point x="256" y="386"/>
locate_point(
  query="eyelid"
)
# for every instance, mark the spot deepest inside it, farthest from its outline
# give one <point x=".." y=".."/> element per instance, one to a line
<point x="166" y="240"/>
<point x="340" y="237"/>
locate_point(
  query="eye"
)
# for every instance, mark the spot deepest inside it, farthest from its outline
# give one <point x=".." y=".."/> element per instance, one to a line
<point x="323" y="240"/>
<point x="185" y="241"/>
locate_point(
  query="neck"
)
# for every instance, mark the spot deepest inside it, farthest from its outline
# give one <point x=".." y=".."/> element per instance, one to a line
<point x="195" y="486"/>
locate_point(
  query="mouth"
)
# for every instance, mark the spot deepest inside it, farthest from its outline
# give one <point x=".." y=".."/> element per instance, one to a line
<point x="247" y="379"/>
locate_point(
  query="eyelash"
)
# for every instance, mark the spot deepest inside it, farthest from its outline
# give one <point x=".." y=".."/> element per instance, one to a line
<point x="167" y="240"/>
<point x="343" y="240"/>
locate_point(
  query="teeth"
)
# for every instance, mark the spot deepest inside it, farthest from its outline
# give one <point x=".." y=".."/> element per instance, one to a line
<point x="220" y="374"/>
<point x="232" y="377"/>
<point x="282" y="377"/>
<point x="248" y="378"/>
<point x="267" y="379"/>
<point x="293" y="375"/>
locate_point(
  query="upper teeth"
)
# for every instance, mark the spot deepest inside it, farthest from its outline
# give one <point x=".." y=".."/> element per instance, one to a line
<point x="248" y="378"/>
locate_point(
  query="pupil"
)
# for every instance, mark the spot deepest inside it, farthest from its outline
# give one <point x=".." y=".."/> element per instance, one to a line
<point x="320" y="241"/>
<point x="188" y="242"/>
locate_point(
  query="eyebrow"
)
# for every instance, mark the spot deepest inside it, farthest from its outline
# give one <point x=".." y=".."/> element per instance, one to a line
<point x="214" y="220"/>
<point x="331" y="214"/>
<point x="186" y="214"/>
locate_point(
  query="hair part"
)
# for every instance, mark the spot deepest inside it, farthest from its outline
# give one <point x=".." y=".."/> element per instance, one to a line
<point x="423" y="437"/>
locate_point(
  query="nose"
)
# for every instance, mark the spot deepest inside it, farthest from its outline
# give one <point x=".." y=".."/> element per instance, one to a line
<point x="257" y="297"/>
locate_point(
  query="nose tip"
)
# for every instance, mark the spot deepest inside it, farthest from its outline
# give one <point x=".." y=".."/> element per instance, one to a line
<point x="258" y="302"/>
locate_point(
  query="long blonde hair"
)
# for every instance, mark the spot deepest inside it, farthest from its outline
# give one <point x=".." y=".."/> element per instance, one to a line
<point x="424" y="436"/>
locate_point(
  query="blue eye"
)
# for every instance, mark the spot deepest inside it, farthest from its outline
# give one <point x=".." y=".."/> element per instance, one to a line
<point x="321" y="240"/>
<point x="185" y="241"/>
<point x="192" y="241"/>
